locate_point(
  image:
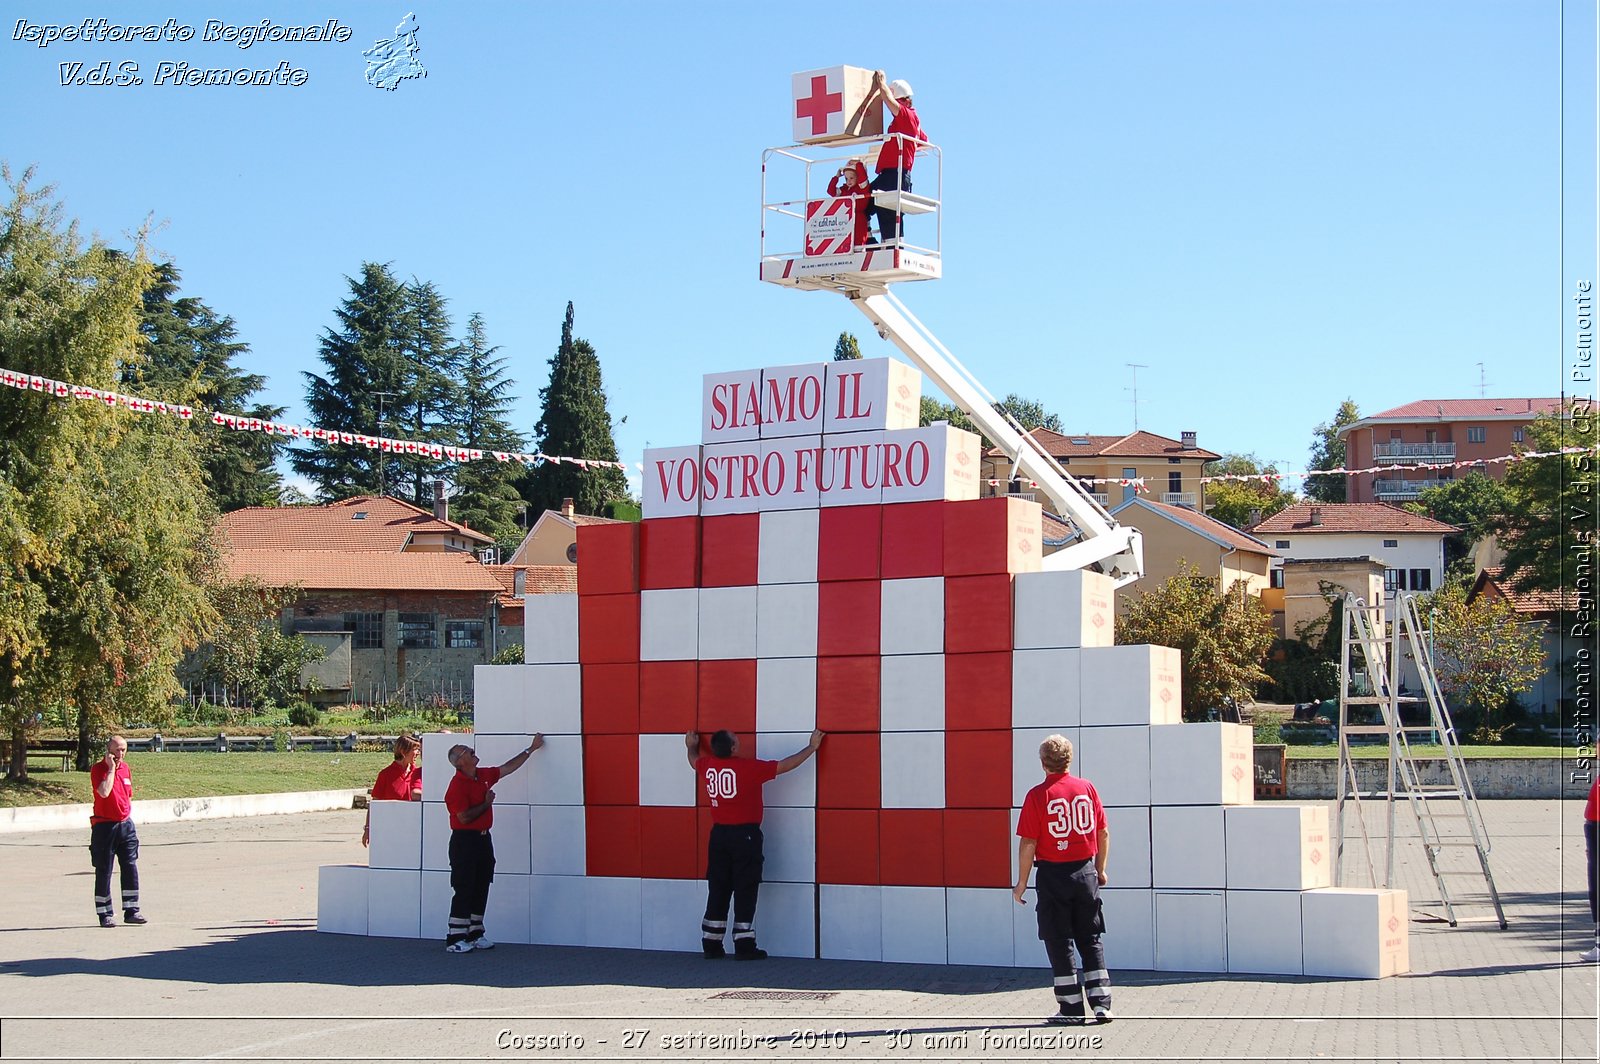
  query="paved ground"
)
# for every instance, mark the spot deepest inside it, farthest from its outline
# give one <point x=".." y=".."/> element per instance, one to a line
<point x="231" y="967"/>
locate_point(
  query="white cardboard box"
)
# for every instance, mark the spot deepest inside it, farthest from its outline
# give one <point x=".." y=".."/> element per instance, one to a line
<point x="786" y="920"/>
<point x="1130" y="938"/>
<point x="979" y="925"/>
<point x="506" y="918"/>
<point x="669" y="624"/>
<point x="1354" y="933"/>
<point x="791" y="400"/>
<point x="1044" y="687"/>
<point x="555" y="772"/>
<point x="1191" y="931"/>
<point x="1117" y="762"/>
<point x="664" y="776"/>
<point x="871" y="393"/>
<point x="791" y="846"/>
<point x="1264" y="932"/>
<point x="930" y="463"/>
<point x="436" y="768"/>
<point x="1129" y="863"/>
<point x="342" y="899"/>
<point x="1026" y="770"/>
<point x="613" y="912"/>
<point x="550" y="629"/>
<point x="727" y="623"/>
<point x="558" y="843"/>
<point x="911" y="692"/>
<point x="1027" y="949"/>
<point x="1202" y="764"/>
<point x="436" y="897"/>
<point x="511" y="840"/>
<point x="730" y="406"/>
<point x="852" y="922"/>
<point x="1066" y="608"/>
<point x="1279" y="847"/>
<point x="912" y="770"/>
<point x="499" y="698"/>
<point x="787" y="549"/>
<point x="670" y="483"/>
<point x="495" y="751"/>
<point x="672" y="912"/>
<point x="555" y="700"/>
<point x="395" y="830"/>
<point x="796" y="788"/>
<point x="785" y="622"/>
<point x="786" y="694"/>
<point x="1188" y="847"/>
<point x="730" y="478"/>
<point x="556" y="910"/>
<point x="789" y="470"/>
<point x="851" y="470"/>
<point x="435" y="837"/>
<point x="914" y="924"/>
<point x="911" y="616"/>
<point x="394" y="903"/>
<point x="1131" y="685"/>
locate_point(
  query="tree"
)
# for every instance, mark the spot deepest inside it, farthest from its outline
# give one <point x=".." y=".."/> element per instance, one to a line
<point x="933" y="410"/>
<point x="105" y="523"/>
<point x="1482" y="652"/>
<point x="575" y="424"/>
<point x="366" y="371"/>
<point x="429" y="393"/>
<point x="1242" y="503"/>
<point x="1475" y="504"/>
<point x="1327" y="452"/>
<point x="247" y="652"/>
<point x="190" y="359"/>
<point x="1223" y="637"/>
<point x="846" y="349"/>
<point x="1551" y="504"/>
<point x="1029" y="413"/>
<point x="486" y="495"/>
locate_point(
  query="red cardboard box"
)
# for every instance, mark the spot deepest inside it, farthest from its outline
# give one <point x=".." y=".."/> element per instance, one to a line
<point x="608" y="559"/>
<point x="669" y="553"/>
<point x="977" y="769"/>
<point x="911" y="847"/>
<point x="994" y="535"/>
<point x="848" y="541"/>
<point x="729" y="549"/>
<point x="608" y="628"/>
<point x="727" y="696"/>
<point x="848" y="771"/>
<point x="848" y="691"/>
<point x="847" y="846"/>
<point x="913" y="540"/>
<point x="977" y="613"/>
<point x="977" y="692"/>
<point x="977" y="847"/>
<point x="848" y="617"/>
<point x="668" y="843"/>
<point x="669" y="696"/>
<point x="610" y="770"/>
<point x="611" y="699"/>
<point x="612" y="837"/>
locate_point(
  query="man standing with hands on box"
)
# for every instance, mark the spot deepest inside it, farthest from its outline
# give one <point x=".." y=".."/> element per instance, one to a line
<point x="1062" y="826"/>
<point x="112" y="836"/>
<point x="734" y="853"/>
<point x="470" y="801"/>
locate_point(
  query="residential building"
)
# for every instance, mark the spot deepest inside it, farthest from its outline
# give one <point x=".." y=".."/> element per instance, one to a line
<point x="1543" y="609"/>
<point x="1409" y="546"/>
<point x="1175" y="535"/>
<point x="1438" y="433"/>
<point x="1171" y="469"/>
<point x="553" y="539"/>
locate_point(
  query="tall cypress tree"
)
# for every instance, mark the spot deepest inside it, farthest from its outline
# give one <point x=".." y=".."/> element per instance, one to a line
<point x="486" y="495"/>
<point x="575" y="423"/>
<point x="366" y="371"/>
<point x="190" y="359"/>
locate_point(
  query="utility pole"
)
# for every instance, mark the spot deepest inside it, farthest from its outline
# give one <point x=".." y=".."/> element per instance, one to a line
<point x="381" y="397"/>
<point x="1136" y="367"/>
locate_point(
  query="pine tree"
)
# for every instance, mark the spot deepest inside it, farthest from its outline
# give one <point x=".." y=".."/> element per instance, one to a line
<point x="428" y="406"/>
<point x="367" y="372"/>
<point x="1327" y="452"/>
<point x="190" y="359"/>
<point x="846" y="348"/>
<point x="576" y="424"/>
<point x="485" y="491"/>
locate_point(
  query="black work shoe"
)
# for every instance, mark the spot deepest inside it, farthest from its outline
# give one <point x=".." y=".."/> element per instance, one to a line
<point x="1103" y="1015"/>
<point x="134" y="916"/>
<point x="740" y="953"/>
<point x="1062" y="1019"/>
<point x="107" y="921"/>
<point x="714" y="951"/>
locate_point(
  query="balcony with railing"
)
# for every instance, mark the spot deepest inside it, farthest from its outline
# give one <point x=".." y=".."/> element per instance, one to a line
<point x="1178" y="498"/>
<point x="1397" y="452"/>
<point x="1403" y="490"/>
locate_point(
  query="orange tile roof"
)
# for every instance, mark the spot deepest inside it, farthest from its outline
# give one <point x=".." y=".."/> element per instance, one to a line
<point x="590" y="519"/>
<point x="389" y="525"/>
<point x="1138" y="444"/>
<point x="1206" y="525"/>
<point x="1533" y="602"/>
<point x="362" y="570"/>
<point x="539" y="580"/>
<point x="1451" y="409"/>
<point x="1349" y="517"/>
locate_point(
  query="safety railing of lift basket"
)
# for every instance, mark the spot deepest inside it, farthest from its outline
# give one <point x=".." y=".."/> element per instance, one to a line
<point x="794" y="209"/>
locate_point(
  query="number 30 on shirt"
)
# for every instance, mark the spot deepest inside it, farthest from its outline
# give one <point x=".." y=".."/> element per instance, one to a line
<point x="1070" y="818"/>
<point x="721" y="783"/>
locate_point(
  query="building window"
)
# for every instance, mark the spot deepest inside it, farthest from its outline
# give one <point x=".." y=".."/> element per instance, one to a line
<point x="366" y="630"/>
<point x="1476" y="433"/>
<point x="1275" y="578"/>
<point x="1394" y="580"/>
<point x="1421" y="580"/>
<point x="463" y="634"/>
<point x="1516" y="435"/>
<point x="1174" y="461"/>
<point x="417" y="631"/>
<point x="1391" y="543"/>
<point x="1281" y="544"/>
<point x="1175" y="482"/>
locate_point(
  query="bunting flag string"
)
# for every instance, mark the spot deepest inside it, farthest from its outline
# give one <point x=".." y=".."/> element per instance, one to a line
<point x="62" y="390"/>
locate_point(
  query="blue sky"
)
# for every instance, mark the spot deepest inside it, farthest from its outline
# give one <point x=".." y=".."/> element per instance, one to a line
<point x="1270" y="205"/>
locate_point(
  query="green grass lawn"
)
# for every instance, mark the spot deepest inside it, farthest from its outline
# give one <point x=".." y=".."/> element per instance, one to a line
<point x="1330" y="751"/>
<point x="197" y="775"/>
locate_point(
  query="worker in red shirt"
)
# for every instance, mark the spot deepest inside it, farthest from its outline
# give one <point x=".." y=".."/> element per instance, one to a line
<point x="469" y="799"/>
<point x="899" y="151"/>
<point x="851" y="180"/>
<point x="111" y="834"/>
<point x="1591" y="861"/>
<point x="732" y="785"/>
<point x="1062" y="831"/>
<point x="398" y="781"/>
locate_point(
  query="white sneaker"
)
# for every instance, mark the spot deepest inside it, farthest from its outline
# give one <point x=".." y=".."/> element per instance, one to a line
<point x="463" y="946"/>
<point x="1104" y="1016"/>
<point x="481" y="942"/>
<point x="1591" y="956"/>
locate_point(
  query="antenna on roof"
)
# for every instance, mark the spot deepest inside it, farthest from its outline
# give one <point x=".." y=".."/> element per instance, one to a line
<point x="1482" y="391"/>
<point x="381" y="397"/>
<point x="1136" y="367"/>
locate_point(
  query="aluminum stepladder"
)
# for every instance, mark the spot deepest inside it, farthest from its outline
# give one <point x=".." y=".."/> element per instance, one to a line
<point x="1446" y="810"/>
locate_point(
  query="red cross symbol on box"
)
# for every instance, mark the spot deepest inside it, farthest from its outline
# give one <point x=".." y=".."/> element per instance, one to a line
<point x="819" y="105"/>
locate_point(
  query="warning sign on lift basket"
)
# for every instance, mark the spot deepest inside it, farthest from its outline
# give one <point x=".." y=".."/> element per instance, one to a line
<point x="830" y="225"/>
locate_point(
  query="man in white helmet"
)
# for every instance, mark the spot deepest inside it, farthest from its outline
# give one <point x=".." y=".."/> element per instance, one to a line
<point x="898" y="155"/>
